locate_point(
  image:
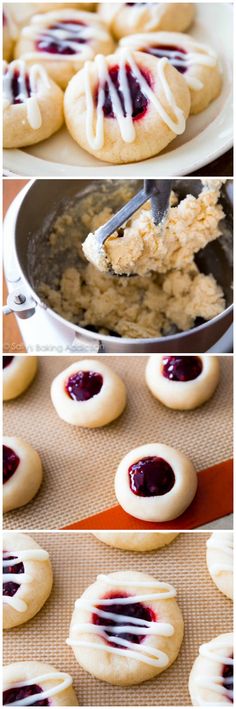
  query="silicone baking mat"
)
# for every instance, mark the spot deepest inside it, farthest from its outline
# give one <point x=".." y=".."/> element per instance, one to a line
<point x="77" y="558"/>
<point x="79" y="464"/>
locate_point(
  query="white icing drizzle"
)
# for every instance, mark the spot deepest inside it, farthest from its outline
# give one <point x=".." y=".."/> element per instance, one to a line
<point x="65" y="32"/>
<point x="212" y="651"/>
<point x="126" y="123"/>
<point x="66" y="681"/>
<point x="25" y="555"/>
<point x="224" y="544"/>
<point x="127" y="624"/>
<point x="38" y="80"/>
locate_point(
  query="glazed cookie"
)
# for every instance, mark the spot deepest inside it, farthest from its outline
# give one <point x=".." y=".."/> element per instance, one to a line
<point x="211" y="679"/>
<point x="62" y="41"/>
<point x="220" y="551"/>
<point x="182" y="382"/>
<point x="126" y="107"/>
<point x="155" y="483"/>
<point x="126" y="628"/>
<point x="88" y="394"/>
<point x="22" y="473"/>
<point x="136" y="541"/>
<point x="128" y="18"/>
<point x="196" y="62"/>
<point x="39" y="682"/>
<point x="18" y="373"/>
<point x="10" y="33"/>
<point x="27" y="578"/>
<point x="32" y="105"/>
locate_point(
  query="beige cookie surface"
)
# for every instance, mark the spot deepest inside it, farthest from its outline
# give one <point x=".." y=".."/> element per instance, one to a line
<point x="137" y="605"/>
<point x="182" y="382"/>
<point x="207" y="685"/>
<point x="26" y="565"/>
<point x="136" y="541"/>
<point x="128" y="18"/>
<point x="18" y="373"/>
<point x="22" y="471"/>
<point x="220" y="552"/>
<point x="52" y="684"/>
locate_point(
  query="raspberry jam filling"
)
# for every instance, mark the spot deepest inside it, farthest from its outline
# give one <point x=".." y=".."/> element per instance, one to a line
<point x="175" y="55"/>
<point x="132" y="610"/>
<point x="228" y="679"/>
<point x="19" y="95"/>
<point x="6" y="361"/>
<point x="10" y="587"/>
<point x="10" y="463"/>
<point x="151" y="476"/>
<point x="84" y="385"/>
<point x="17" y="693"/>
<point x="139" y="102"/>
<point x="51" y="42"/>
<point x="181" y="369"/>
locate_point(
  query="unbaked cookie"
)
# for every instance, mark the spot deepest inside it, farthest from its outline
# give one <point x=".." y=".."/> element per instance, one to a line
<point x="22" y="473"/>
<point x="126" y="628"/>
<point x="136" y="541"/>
<point x="220" y="551"/>
<point x="88" y="394"/>
<point x="128" y="18"/>
<point x="155" y="482"/>
<point x="126" y="107"/>
<point x="39" y="681"/>
<point x="182" y="382"/>
<point x="32" y="105"/>
<point x="196" y="62"/>
<point x="27" y="578"/>
<point x="62" y="41"/>
<point x="211" y="679"/>
<point x="18" y="373"/>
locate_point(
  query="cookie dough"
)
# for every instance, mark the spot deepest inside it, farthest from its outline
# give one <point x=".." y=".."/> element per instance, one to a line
<point x="88" y="394"/>
<point x="146" y="621"/>
<point x="220" y="550"/>
<point x="155" y="483"/>
<point x="18" y="373"/>
<point x="27" y="578"/>
<point x="129" y="18"/>
<point x="211" y="678"/>
<point x="39" y="681"/>
<point x="182" y="382"/>
<point x="22" y="473"/>
<point x="136" y="541"/>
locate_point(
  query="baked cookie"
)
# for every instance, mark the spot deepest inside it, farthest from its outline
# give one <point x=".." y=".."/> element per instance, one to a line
<point x="126" y="628"/>
<point x="196" y="62"/>
<point x="27" y="578"/>
<point x="32" y="105"/>
<point x="155" y="483"/>
<point x="131" y="17"/>
<point x="211" y="679"/>
<point x="62" y="41"/>
<point x="10" y="33"/>
<point x="40" y="682"/>
<point x="22" y="473"/>
<point x="220" y="551"/>
<point x="182" y="382"/>
<point x="136" y="541"/>
<point x="18" y="373"/>
<point x="88" y="394"/>
<point x="126" y="107"/>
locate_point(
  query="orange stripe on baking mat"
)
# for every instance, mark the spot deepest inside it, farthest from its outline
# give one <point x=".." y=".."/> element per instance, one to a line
<point x="214" y="499"/>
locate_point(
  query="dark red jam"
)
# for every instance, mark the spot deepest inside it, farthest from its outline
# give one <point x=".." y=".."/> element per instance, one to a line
<point x="51" y="43"/>
<point x="10" y="463"/>
<point x="6" y="361"/>
<point x="10" y="587"/>
<point x="19" y="96"/>
<point x="181" y="369"/>
<point x="228" y="680"/>
<point x="151" y="476"/>
<point x="84" y="385"/>
<point x="171" y="52"/>
<point x="133" y="610"/>
<point x="17" y="693"/>
<point x="139" y="101"/>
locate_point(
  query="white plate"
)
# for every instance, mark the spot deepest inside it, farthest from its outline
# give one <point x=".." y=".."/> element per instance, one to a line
<point x="208" y="135"/>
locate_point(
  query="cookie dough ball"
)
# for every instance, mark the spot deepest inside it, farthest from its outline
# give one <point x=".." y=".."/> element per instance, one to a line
<point x="129" y="18"/>
<point x="211" y="678"/>
<point x="144" y="106"/>
<point x="196" y="62"/>
<point x="136" y="541"/>
<point x="22" y="473"/>
<point x="182" y="382"/>
<point x="40" y="682"/>
<point x="88" y="394"/>
<point x="27" y="578"/>
<point x="155" y="483"/>
<point x="220" y="550"/>
<point x="18" y="373"/>
<point x="126" y="628"/>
